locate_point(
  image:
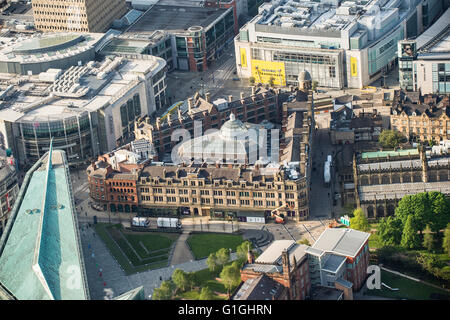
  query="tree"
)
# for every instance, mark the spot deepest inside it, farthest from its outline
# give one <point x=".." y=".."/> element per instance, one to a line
<point x="206" y="294"/>
<point x="359" y="221"/>
<point x="304" y="241"/>
<point x="410" y="238"/>
<point x="428" y="240"/>
<point x="446" y="240"/>
<point x="390" y="231"/>
<point x="223" y="256"/>
<point x="180" y="279"/>
<point x="211" y="262"/>
<point x="428" y="208"/>
<point x="165" y="292"/>
<point x="230" y="277"/>
<point x="391" y="138"/>
<point x="191" y="279"/>
<point x="242" y="250"/>
<point x="252" y="80"/>
<point x="439" y="214"/>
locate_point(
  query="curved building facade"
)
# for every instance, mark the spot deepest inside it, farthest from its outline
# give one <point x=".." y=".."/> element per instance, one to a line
<point x="39" y="53"/>
<point x="9" y="189"/>
<point x="72" y="133"/>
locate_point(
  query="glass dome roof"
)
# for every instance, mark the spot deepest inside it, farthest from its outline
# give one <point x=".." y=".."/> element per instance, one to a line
<point x="233" y="128"/>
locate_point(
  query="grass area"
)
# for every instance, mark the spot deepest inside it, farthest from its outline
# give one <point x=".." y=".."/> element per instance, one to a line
<point x="408" y="289"/>
<point x="206" y="278"/>
<point x="203" y="244"/>
<point x="151" y="259"/>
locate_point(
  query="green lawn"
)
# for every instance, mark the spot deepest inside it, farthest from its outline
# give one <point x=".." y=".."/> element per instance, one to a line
<point x="408" y="289"/>
<point x="206" y="278"/>
<point x="205" y="243"/>
<point x="111" y="236"/>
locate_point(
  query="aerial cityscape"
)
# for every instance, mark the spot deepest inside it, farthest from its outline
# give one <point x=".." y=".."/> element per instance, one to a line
<point x="225" y="150"/>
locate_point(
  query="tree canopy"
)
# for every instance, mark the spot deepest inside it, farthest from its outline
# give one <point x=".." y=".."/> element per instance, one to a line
<point x="211" y="262"/>
<point x="391" y="138"/>
<point x="165" y="291"/>
<point x="223" y="256"/>
<point x="180" y="279"/>
<point x="390" y="231"/>
<point x="410" y="237"/>
<point x="359" y="221"/>
<point x="446" y="241"/>
<point x="230" y="276"/>
<point x="242" y="250"/>
<point x="206" y="294"/>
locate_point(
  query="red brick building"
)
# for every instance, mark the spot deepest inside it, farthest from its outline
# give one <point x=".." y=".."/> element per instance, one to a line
<point x="285" y="263"/>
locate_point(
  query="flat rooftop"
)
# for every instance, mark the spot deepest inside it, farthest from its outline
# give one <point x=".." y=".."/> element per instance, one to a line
<point x="175" y="19"/>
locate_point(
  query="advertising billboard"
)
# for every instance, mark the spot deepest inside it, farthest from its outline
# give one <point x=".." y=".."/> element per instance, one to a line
<point x="354" y="66"/>
<point x="264" y="71"/>
<point x="243" y="58"/>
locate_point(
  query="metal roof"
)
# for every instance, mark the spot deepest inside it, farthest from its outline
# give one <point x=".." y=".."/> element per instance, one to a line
<point x="333" y="263"/>
<point x="341" y="241"/>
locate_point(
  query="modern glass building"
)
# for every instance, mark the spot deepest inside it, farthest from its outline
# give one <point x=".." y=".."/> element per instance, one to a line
<point x="341" y="44"/>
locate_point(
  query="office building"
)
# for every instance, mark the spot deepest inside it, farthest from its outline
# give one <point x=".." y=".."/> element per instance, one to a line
<point x="77" y="16"/>
<point x="198" y="34"/>
<point x="341" y="44"/>
<point x="424" y="62"/>
<point x="87" y="109"/>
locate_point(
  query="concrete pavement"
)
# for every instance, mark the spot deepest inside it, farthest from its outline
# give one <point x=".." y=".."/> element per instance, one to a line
<point x="107" y="280"/>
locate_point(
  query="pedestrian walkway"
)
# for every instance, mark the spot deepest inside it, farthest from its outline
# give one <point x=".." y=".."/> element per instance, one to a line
<point x="182" y="253"/>
<point x="106" y="279"/>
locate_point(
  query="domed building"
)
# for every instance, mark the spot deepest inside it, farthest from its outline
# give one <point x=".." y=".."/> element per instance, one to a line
<point x="235" y="143"/>
<point x="304" y="81"/>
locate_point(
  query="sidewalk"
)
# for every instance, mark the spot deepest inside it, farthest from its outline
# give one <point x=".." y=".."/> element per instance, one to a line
<point x="106" y="279"/>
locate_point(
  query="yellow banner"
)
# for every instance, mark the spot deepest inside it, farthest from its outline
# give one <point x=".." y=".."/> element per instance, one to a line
<point x="268" y="71"/>
<point x="354" y="66"/>
<point x="243" y="58"/>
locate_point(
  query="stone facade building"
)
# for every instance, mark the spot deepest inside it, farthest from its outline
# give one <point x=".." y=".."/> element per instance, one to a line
<point x="78" y="16"/>
<point x="261" y="105"/>
<point x="421" y="118"/>
<point x="382" y="179"/>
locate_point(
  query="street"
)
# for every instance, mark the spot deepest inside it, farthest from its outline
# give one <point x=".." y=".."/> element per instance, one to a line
<point x="321" y="197"/>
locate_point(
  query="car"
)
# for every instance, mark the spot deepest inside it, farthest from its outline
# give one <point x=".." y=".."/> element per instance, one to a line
<point x="236" y="79"/>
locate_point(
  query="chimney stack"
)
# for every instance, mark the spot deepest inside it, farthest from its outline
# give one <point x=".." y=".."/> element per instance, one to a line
<point x="230" y="98"/>
<point x="208" y="97"/>
<point x="158" y="122"/>
<point x="250" y="256"/>
<point x="190" y="104"/>
<point x="253" y="90"/>
<point x="147" y="120"/>
<point x="242" y="95"/>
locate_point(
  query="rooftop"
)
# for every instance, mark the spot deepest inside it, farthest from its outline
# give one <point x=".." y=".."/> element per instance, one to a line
<point x="40" y="248"/>
<point x="78" y="90"/>
<point x="384" y="154"/>
<point x="260" y="288"/>
<point x="175" y="19"/>
<point x="436" y="39"/>
<point x="346" y="242"/>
